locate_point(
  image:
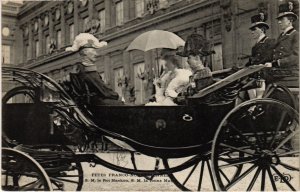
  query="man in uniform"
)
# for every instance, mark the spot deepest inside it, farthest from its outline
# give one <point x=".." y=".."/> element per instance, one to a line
<point x="100" y="93"/>
<point x="261" y="51"/>
<point x="286" y="50"/>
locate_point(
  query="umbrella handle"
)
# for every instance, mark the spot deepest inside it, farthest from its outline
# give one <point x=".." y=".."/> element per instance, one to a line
<point x="157" y="64"/>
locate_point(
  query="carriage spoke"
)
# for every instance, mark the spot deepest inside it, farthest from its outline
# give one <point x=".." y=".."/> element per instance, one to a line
<point x="241" y="135"/>
<point x="23" y="186"/>
<point x="255" y="133"/>
<point x="66" y="176"/>
<point x="288" y="153"/>
<point x="240" y="177"/>
<point x="236" y="149"/>
<point x="223" y="174"/>
<point x="192" y="171"/>
<point x="237" y="163"/>
<point x="66" y="180"/>
<point x="269" y="92"/>
<point x="253" y="179"/>
<point x="201" y="175"/>
<point x="283" y="178"/>
<point x="271" y="179"/>
<point x="277" y="129"/>
<point x="31" y="186"/>
<point x="286" y="139"/>
<point x="289" y="167"/>
<point x="263" y="178"/>
<point x="211" y="175"/>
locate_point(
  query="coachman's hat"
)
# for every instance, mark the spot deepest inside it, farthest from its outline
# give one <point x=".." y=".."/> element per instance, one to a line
<point x="259" y="21"/>
<point x="287" y="9"/>
<point x="196" y="45"/>
<point x="86" y="40"/>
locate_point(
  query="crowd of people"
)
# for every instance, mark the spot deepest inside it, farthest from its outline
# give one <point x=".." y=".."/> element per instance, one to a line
<point x="280" y="53"/>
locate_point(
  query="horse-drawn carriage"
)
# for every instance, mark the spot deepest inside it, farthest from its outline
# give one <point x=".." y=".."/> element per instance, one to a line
<point x="208" y="132"/>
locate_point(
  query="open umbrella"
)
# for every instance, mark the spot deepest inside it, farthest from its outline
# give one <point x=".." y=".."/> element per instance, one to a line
<point x="156" y="39"/>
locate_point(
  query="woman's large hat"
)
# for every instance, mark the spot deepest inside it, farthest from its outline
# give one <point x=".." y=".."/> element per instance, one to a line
<point x="86" y="40"/>
<point x="259" y="21"/>
<point x="196" y="45"/>
<point x="287" y="9"/>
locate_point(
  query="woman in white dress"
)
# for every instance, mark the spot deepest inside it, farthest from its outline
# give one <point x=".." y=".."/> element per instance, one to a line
<point x="173" y="80"/>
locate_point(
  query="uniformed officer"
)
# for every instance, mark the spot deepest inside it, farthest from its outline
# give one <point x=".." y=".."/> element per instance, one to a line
<point x="87" y="44"/>
<point x="262" y="50"/>
<point x="286" y="50"/>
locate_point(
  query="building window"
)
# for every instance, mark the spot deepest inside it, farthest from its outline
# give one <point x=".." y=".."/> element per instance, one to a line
<point x="47" y="44"/>
<point x="139" y="88"/>
<point x="58" y="39"/>
<point x="217" y="61"/>
<point x="72" y="34"/>
<point x="118" y="74"/>
<point x="6" y="54"/>
<point x="37" y="48"/>
<point x="139" y="8"/>
<point x="119" y="13"/>
<point x="102" y="20"/>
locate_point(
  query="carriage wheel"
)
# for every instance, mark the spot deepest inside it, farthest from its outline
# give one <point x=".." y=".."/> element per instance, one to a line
<point x="20" y="172"/>
<point x="278" y="92"/>
<point x="281" y="93"/>
<point x="197" y="177"/>
<point x="65" y="174"/>
<point x="27" y="93"/>
<point x="266" y="131"/>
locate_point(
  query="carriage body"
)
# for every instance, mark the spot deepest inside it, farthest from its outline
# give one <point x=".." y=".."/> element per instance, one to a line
<point x="208" y="126"/>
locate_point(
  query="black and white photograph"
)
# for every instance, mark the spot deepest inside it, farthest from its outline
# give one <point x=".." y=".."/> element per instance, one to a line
<point x="150" y="95"/>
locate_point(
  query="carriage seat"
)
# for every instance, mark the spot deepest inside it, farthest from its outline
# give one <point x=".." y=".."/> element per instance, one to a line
<point x="227" y="81"/>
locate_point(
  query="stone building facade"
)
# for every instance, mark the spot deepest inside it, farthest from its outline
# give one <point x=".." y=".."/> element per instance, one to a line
<point x="45" y="28"/>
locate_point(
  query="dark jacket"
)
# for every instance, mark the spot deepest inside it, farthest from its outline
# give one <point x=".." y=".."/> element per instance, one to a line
<point x="262" y="51"/>
<point x="96" y="85"/>
<point x="287" y="50"/>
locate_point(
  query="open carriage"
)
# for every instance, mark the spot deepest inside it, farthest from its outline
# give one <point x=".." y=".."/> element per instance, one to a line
<point x="208" y="132"/>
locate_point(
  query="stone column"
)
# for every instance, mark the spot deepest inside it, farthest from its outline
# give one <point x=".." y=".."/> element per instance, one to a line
<point x="51" y="26"/>
<point x="91" y="9"/>
<point x="63" y="25"/>
<point x="107" y="5"/>
<point x="76" y="17"/>
<point x="228" y="23"/>
<point x="30" y="40"/>
<point x="40" y="36"/>
<point x="107" y="70"/>
<point x="126" y="9"/>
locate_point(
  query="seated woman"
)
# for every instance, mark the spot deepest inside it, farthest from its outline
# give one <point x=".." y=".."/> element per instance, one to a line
<point x="86" y="70"/>
<point x="171" y="83"/>
<point x="195" y="48"/>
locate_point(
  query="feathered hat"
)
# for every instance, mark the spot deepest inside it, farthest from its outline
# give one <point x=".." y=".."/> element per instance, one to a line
<point x="86" y="40"/>
<point x="196" y="45"/>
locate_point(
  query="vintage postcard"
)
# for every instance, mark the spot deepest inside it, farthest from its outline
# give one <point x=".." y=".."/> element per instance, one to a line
<point x="150" y="95"/>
